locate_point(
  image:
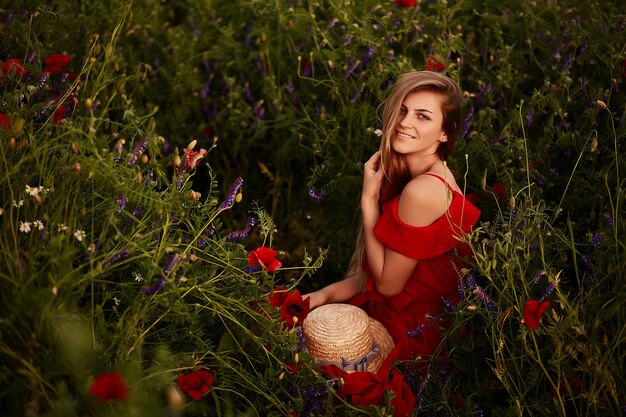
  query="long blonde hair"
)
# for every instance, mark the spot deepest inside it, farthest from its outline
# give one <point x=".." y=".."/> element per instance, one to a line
<point x="393" y="164"/>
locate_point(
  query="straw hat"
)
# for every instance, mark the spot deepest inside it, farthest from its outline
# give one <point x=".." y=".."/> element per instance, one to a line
<point x="344" y="335"/>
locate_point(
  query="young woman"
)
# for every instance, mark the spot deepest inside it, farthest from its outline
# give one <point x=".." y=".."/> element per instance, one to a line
<point x="409" y="256"/>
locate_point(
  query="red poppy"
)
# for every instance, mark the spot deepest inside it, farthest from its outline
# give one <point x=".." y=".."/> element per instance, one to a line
<point x="406" y="3"/>
<point x="533" y="310"/>
<point x="499" y="189"/>
<point x="5" y="121"/>
<point x="278" y="296"/>
<point x="13" y="66"/>
<point x="109" y="387"/>
<point x="295" y="306"/>
<point x="55" y="63"/>
<point x="433" y="64"/>
<point x="196" y="383"/>
<point x="265" y="257"/>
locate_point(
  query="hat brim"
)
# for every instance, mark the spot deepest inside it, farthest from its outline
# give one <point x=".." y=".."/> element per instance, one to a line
<point x="385" y="343"/>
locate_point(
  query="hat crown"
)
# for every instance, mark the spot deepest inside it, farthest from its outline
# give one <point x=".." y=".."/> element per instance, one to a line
<point x="336" y="332"/>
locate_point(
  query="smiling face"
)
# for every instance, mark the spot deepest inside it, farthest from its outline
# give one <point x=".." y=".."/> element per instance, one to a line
<point x="419" y="129"/>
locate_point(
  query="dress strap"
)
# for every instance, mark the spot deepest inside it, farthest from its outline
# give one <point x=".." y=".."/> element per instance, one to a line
<point x="440" y="178"/>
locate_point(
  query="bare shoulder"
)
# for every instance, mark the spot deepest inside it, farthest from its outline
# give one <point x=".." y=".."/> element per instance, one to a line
<point x="423" y="200"/>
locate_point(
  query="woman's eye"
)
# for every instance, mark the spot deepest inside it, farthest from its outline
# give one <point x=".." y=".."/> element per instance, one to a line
<point x="423" y="117"/>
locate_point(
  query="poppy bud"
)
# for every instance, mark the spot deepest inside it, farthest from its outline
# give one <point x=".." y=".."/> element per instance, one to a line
<point x="55" y="291"/>
<point x="238" y="197"/>
<point x="76" y="168"/>
<point x="83" y="211"/>
<point x="594" y="144"/>
<point x="144" y="159"/>
<point x="192" y="145"/>
<point x="175" y="397"/>
<point x="193" y="195"/>
<point x="602" y="104"/>
<point x="12" y="144"/>
<point x="37" y="199"/>
<point x="89" y="104"/>
<point x="139" y="176"/>
<point x="281" y="376"/>
<point x="74" y="147"/>
<point x="294" y="319"/>
<point x="296" y="358"/>
<point x="177" y="161"/>
<point x="471" y="308"/>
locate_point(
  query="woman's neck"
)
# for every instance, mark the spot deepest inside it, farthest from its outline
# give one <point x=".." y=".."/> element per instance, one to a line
<point x="421" y="165"/>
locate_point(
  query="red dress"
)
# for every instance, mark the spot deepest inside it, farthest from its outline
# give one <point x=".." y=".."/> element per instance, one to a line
<point x="437" y="273"/>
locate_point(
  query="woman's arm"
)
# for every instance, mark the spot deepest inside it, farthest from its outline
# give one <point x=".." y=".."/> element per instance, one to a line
<point x="336" y="292"/>
<point x="422" y="202"/>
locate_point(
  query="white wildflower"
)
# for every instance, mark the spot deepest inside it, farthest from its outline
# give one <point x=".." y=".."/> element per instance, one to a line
<point x="79" y="235"/>
<point x="61" y="227"/>
<point x="378" y="132"/>
<point x="1" y="211"/>
<point x="19" y="203"/>
<point x="25" y="227"/>
<point x="32" y="191"/>
<point x="38" y="224"/>
<point x="137" y="276"/>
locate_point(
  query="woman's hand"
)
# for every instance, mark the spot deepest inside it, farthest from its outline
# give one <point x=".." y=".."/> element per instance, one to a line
<point x="316" y="298"/>
<point x="372" y="177"/>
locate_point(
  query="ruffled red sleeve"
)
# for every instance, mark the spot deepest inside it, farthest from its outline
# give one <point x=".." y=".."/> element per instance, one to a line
<point x="428" y="241"/>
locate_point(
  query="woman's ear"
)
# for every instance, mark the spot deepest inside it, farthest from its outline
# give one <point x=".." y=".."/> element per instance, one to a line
<point x="444" y="137"/>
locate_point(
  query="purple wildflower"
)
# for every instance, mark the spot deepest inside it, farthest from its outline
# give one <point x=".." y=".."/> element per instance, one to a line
<point x="171" y="263"/>
<point x="140" y="146"/>
<point x="416" y="332"/>
<point x="529" y="117"/>
<point x="121" y="202"/>
<point x="259" y="110"/>
<point x="480" y="293"/>
<point x="538" y="276"/>
<point x="352" y="67"/>
<point x="242" y="234"/>
<point x="466" y="122"/>
<point x="566" y="62"/>
<point x="115" y="257"/>
<point x="477" y="412"/>
<point x="315" y="196"/>
<point x="548" y="292"/>
<point x="6" y="17"/>
<point x="423" y="384"/>
<point x="471" y="282"/>
<point x="230" y="198"/>
<point x="450" y="305"/>
<point x="347" y="41"/>
<point x="248" y="91"/>
<point x="358" y="94"/>
<point x="608" y="220"/>
<point x="367" y="56"/>
<point x="596" y="240"/>
<point x="154" y="288"/>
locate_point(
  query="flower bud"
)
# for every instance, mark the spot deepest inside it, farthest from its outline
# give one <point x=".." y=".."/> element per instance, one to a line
<point x="594" y="144"/>
<point x="74" y="147"/>
<point x="37" y="199"/>
<point x="238" y="197"/>
<point x="192" y="145"/>
<point x="89" y="104"/>
<point x="281" y="376"/>
<point x="12" y="143"/>
<point x="144" y="159"/>
<point x="471" y="308"/>
<point x="76" y="168"/>
<point x="602" y="104"/>
<point x="296" y="358"/>
<point x="175" y="398"/>
<point x="294" y="319"/>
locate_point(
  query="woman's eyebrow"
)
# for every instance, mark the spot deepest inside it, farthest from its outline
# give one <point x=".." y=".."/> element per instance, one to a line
<point x="422" y="110"/>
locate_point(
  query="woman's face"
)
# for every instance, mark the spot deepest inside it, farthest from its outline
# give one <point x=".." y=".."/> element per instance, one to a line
<point x="418" y="130"/>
